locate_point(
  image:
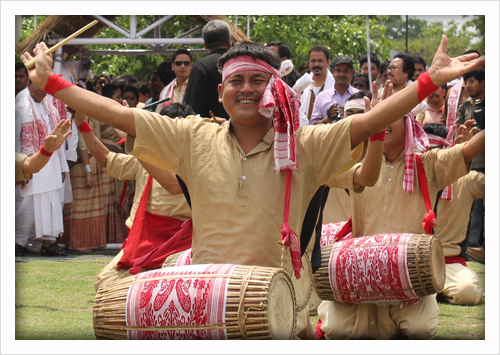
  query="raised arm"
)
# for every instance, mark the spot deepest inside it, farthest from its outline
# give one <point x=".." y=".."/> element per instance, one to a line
<point x="86" y="102"/>
<point x="474" y="146"/>
<point x="442" y="70"/>
<point x="367" y="174"/>
<point x="94" y="145"/>
<point x="164" y="177"/>
<point x="52" y="142"/>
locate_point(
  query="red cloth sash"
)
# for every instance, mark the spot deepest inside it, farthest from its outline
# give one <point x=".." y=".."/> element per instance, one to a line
<point x="454" y="260"/>
<point x="149" y="231"/>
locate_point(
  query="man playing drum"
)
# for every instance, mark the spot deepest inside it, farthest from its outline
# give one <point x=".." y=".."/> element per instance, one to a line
<point x="229" y="170"/>
<point x="396" y="205"/>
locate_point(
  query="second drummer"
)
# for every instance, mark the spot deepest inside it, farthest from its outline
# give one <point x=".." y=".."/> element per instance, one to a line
<point x="396" y="205"/>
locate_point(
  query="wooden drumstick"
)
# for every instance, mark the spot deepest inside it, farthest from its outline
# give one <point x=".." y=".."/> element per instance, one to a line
<point x="31" y="63"/>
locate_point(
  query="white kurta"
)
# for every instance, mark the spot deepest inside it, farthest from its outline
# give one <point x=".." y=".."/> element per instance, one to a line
<point x="40" y="202"/>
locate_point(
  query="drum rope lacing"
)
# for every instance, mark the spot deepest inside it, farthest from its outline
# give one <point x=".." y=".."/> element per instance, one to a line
<point x="241" y="307"/>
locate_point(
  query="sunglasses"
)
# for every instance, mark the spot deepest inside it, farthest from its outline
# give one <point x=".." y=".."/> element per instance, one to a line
<point x="180" y="62"/>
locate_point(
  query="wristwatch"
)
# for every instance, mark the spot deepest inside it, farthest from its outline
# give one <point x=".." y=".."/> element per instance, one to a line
<point x="87" y="168"/>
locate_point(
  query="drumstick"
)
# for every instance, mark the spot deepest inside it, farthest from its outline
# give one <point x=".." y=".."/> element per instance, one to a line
<point x="155" y="103"/>
<point x="31" y="63"/>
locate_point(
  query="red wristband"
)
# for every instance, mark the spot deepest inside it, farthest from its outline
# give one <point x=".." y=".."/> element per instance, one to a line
<point x="56" y="83"/>
<point x="380" y="136"/>
<point x="425" y="86"/>
<point x="44" y="152"/>
<point x="85" y="127"/>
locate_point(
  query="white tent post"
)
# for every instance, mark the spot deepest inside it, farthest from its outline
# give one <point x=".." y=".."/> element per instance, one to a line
<point x="58" y="60"/>
<point x="248" y="26"/>
<point x="368" y="54"/>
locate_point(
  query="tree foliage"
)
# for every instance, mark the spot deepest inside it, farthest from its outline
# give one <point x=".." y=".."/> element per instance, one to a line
<point x="342" y="35"/>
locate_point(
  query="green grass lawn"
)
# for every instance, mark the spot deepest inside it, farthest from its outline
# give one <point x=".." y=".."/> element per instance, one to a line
<point x="54" y="299"/>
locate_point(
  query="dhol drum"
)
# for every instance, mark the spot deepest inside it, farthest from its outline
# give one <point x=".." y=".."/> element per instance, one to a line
<point x="211" y="301"/>
<point x="329" y="233"/>
<point x="381" y="268"/>
<point x="303" y="286"/>
<point x="181" y="258"/>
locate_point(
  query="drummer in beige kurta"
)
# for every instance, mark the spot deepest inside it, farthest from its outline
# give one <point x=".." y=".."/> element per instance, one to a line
<point x="387" y="208"/>
<point x="462" y="285"/>
<point x="160" y="201"/>
<point x="237" y="196"/>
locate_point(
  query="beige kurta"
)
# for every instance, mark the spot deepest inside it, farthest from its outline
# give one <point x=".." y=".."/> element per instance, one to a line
<point x="237" y="198"/>
<point x="453" y="216"/>
<point x="20" y="158"/>
<point x="387" y="208"/>
<point x="160" y="201"/>
<point x="338" y="204"/>
<point x="462" y="285"/>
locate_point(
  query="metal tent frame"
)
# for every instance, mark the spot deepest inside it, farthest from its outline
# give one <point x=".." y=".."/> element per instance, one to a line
<point x="157" y="45"/>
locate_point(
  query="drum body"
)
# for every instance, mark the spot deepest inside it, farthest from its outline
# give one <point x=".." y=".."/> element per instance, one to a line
<point x="303" y="287"/>
<point x="329" y="232"/>
<point x="381" y="268"/>
<point x="214" y="301"/>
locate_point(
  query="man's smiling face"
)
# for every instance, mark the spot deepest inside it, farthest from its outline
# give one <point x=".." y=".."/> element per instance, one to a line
<point x="241" y="94"/>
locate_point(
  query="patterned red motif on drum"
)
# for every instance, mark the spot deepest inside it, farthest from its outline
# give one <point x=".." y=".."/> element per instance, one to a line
<point x="185" y="258"/>
<point x="174" y="302"/>
<point x="361" y="269"/>
<point x="329" y="231"/>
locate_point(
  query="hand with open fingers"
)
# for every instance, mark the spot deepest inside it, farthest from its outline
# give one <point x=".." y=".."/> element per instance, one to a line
<point x="42" y="70"/>
<point x="465" y="132"/>
<point x="56" y="138"/>
<point x="444" y="69"/>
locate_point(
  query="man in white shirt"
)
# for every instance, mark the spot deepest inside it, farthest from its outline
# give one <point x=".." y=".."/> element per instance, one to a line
<point x="39" y="202"/>
<point x="319" y="61"/>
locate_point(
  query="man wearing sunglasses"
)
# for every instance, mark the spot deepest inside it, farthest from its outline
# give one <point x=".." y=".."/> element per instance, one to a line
<point x="182" y="62"/>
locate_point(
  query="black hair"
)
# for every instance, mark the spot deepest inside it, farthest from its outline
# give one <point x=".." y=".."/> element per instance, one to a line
<point x="144" y="89"/>
<point x="319" y="49"/>
<point x="109" y="90"/>
<point x="420" y="60"/>
<point x="470" y="51"/>
<point x="383" y="66"/>
<point x="124" y="81"/>
<point x="102" y="76"/>
<point x="373" y="58"/>
<point x="21" y="66"/>
<point x="283" y="49"/>
<point x="181" y="51"/>
<point x="361" y="75"/>
<point x="133" y="89"/>
<point x="436" y="129"/>
<point x="360" y="94"/>
<point x="165" y="73"/>
<point x="216" y="33"/>
<point x="408" y="65"/>
<point x="177" y="109"/>
<point x="477" y="74"/>
<point x="255" y="50"/>
<point x="305" y="66"/>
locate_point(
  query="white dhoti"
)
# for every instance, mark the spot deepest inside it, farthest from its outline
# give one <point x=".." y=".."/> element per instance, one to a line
<point x="39" y="204"/>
